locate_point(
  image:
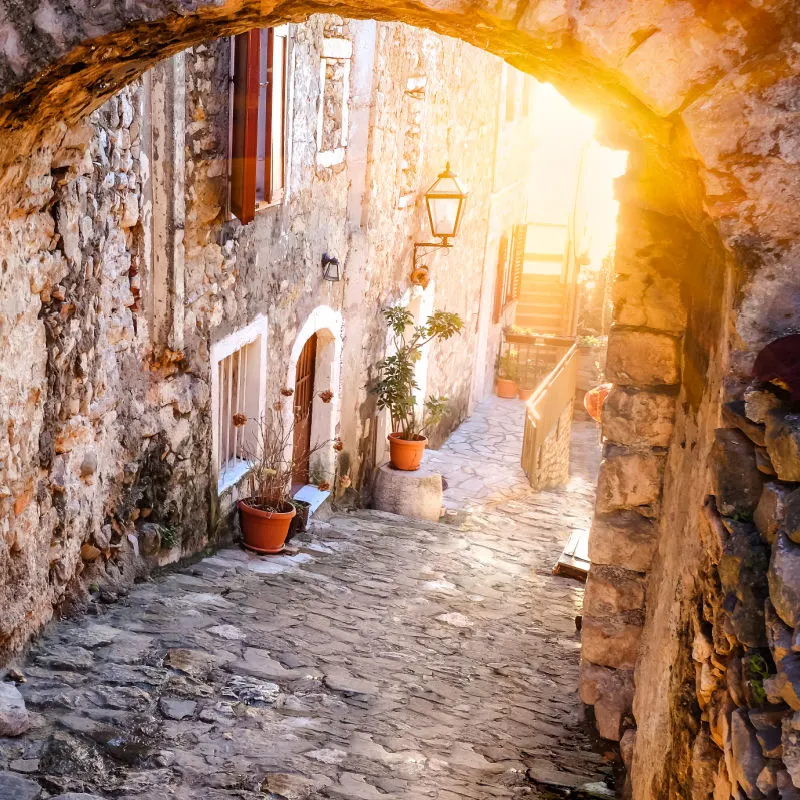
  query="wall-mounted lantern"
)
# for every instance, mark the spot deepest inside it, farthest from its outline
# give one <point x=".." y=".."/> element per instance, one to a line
<point x="445" y="202"/>
<point x="330" y="268"/>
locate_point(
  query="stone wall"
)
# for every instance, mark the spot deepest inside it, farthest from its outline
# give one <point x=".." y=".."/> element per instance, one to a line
<point x="121" y="268"/>
<point x="645" y="542"/>
<point x="553" y="462"/>
<point x="94" y="453"/>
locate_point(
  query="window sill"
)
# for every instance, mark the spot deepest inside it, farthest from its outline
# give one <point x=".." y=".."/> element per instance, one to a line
<point x="264" y="206"/>
<point x="311" y="495"/>
<point x="233" y="472"/>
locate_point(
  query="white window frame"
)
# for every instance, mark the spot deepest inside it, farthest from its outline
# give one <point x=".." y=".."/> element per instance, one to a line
<point x="334" y="49"/>
<point x="256" y="331"/>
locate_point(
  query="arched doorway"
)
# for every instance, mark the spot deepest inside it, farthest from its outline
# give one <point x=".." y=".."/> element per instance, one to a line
<point x="314" y="370"/>
<point x="303" y="412"/>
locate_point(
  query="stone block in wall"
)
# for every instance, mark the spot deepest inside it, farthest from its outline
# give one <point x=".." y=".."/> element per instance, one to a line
<point x="611" y="641"/>
<point x="791" y="518"/>
<point x="784" y="579"/>
<point x="642" y="358"/>
<point x="610" y="691"/>
<point x="734" y="414"/>
<point x="771" y="510"/>
<point x="767" y="782"/>
<point x="786" y="789"/>
<point x="645" y="298"/>
<point x="764" y="462"/>
<point x="705" y="760"/>
<point x="783" y="444"/>
<point x="779" y="635"/>
<point x="747" y="760"/>
<point x="632" y="417"/>
<point x="718" y="713"/>
<point x="767" y="723"/>
<point x="791" y="746"/>
<point x="624" y="539"/>
<point x="759" y="402"/>
<point x="629" y="479"/>
<point x="647" y="239"/>
<point x="743" y="579"/>
<point x="736" y="481"/>
<point x="784" y="686"/>
<point x="722" y="784"/>
<point x="626" y="745"/>
<point x="613" y="590"/>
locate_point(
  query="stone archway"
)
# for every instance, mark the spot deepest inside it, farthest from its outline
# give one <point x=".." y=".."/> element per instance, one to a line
<point x="704" y="97"/>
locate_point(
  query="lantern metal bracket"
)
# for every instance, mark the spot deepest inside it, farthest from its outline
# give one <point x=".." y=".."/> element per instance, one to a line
<point x="431" y="247"/>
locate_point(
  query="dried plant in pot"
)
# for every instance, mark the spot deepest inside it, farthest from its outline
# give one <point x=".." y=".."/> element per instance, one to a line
<point x="397" y="389"/>
<point x="267" y="512"/>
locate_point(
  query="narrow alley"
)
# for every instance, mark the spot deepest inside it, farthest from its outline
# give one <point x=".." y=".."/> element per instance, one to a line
<point x="380" y="658"/>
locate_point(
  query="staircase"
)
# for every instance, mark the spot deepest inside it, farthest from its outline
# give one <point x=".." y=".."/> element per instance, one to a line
<point x="541" y="304"/>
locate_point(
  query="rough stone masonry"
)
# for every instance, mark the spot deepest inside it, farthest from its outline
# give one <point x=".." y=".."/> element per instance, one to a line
<point x="121" y="269"/>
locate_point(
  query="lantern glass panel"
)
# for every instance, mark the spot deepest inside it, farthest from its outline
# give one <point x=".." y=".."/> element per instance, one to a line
<point x="445" y="214"/>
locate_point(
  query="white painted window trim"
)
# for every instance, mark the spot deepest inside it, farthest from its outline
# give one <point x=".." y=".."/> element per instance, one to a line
<point x="220" y="350"/>
<point x="339" y="50"/>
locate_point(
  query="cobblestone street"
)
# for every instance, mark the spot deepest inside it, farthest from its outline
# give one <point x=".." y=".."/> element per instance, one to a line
<point x="385" y="659"/>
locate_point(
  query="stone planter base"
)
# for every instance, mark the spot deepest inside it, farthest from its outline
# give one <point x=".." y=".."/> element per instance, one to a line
<point x="415" y="494"/>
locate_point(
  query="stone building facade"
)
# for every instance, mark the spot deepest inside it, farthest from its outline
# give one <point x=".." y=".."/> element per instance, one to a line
<point x="130" y="292"/>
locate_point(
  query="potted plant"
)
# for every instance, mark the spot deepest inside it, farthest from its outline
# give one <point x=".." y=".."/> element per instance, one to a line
<point x="267" y="512"/>
<point x="299" y="522"/>
<point x="507" y="375"/>
<point x="396" y="388"/>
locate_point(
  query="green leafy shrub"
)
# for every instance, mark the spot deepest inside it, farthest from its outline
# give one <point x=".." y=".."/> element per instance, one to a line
<point x="396" y="387"/>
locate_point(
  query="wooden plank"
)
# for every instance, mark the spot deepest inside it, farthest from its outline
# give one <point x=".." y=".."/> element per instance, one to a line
<point x="574" y="560"/>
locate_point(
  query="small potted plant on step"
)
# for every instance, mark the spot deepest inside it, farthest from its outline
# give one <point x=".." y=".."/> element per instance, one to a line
<point x="507" y="376"/>
<point x="268" y="510"/>
<point x="397" y="389"/>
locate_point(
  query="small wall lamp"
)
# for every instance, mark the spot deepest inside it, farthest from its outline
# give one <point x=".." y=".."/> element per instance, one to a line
<point x="330" y="268"/>
<point x="445" y="202"/>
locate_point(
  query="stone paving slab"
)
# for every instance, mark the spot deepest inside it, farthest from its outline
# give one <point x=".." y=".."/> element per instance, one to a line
<point x="387" y="658"/>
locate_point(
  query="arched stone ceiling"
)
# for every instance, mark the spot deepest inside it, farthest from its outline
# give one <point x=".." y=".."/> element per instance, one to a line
<point x="709" y="91"/>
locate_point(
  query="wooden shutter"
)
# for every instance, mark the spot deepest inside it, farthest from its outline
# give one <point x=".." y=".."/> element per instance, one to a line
<point x="500" y="280"/>
<point x="244" y="139"/>
<point x="517" y="262"/>
<point x="276" y="114"/>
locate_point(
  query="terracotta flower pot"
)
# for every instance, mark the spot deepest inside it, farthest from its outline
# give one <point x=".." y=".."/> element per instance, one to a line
<point x="594" y="399"/>
<point x="524" y="394"/>
<point x="264" y="531"/>
<point x="406" y="454"/>
<point x="506" y="388"/>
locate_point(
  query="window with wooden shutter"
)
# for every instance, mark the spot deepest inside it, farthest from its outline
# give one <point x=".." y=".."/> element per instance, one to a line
<point x="516" y="263"/>
<point x="500" y="286"/>
<point x="258" y="120"/>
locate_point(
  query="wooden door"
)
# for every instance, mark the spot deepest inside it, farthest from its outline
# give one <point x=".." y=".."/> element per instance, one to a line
<point x="303" y="403"/>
